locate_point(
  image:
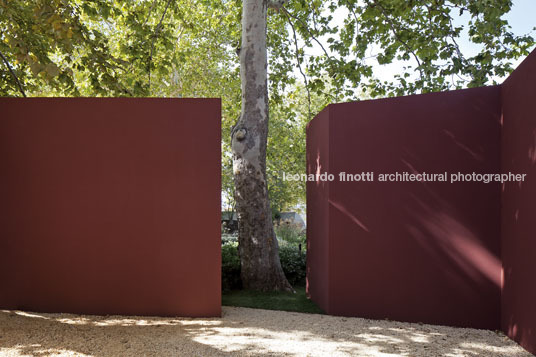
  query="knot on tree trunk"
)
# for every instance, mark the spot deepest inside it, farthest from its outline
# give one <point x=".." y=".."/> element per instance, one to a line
<point x="240" y="134"/>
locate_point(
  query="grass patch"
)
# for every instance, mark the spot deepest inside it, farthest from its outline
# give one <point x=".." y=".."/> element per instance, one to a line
<point x="284" y="301"/>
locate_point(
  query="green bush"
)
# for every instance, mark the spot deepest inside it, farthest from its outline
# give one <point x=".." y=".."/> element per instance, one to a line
<point x="290" y="233"/>
<point x="230" y="267"/>
<point x="293" y="264"/>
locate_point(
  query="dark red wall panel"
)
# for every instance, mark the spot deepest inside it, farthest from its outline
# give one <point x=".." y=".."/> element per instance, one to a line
<point x="110" y="206"/>
<point x="519" y="205"/>
<point x="411" y="251"/>
<point x="318" y="209"/>
<point x="460" y="254"/>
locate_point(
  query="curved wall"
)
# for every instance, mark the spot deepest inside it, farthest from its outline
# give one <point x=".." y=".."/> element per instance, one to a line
<point x="461" y="254"/>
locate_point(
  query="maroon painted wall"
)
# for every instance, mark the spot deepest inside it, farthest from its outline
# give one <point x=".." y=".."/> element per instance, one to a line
<point x="519" y="205"/>
<point x="110" y="206"/>
<point x="410" y="251"/>
<point x="318" y="209"/>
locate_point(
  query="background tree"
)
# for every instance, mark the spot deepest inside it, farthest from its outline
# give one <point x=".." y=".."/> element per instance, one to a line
<point x="286" y="145"/>
<point x="257" y="243"/>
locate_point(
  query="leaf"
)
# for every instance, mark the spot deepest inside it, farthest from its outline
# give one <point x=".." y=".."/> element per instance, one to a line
<point x="35" y="67"/>
<point x="52" y="70"/>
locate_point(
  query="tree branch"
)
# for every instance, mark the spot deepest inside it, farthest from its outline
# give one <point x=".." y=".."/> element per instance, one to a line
<point x="352" y="11"/>
<point x="300" y="68"/>
<point x="310" y="33"/>
<point x="13" y="74"/>
<point x="276" y="4"/>
<point x="155" y="36"/>
<point x="397" y="36"/>
<point x="149" y="12"/>
<point x="457" y="47"/>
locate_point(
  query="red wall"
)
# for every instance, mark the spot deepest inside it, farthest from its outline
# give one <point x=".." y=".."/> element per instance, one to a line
<point x="460" y="254"/>
<point x="519" y="205"/>
<point x="410" y="251"/>
<point x="110" y="206"/>
<point x="318" y="209"/>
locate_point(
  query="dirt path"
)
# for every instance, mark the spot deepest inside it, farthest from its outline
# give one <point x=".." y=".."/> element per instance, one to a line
<point x="241" y="331"/>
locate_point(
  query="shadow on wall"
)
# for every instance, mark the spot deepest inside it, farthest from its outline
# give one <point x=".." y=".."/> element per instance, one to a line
<point x="448" y="240"/>
<point x="438" y="219"/>
<point x="410" y="251"/>
<point x="454" y="243"/>
<point x="241" y="331"/>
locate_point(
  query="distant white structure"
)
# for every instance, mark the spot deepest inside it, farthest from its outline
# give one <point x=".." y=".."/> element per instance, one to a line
<point x="292" y="217"/>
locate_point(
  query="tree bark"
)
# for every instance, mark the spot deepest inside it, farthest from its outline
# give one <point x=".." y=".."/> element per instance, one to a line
<point x="258" y="248"/>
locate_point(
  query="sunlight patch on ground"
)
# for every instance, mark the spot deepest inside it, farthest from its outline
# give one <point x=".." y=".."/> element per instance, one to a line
<point x="241" y="332"/>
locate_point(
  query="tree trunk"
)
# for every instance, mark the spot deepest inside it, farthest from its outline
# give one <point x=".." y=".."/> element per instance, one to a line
<point x="259" y="256"/>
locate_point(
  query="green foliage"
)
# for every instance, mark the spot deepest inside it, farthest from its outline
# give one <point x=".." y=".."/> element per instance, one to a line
<point x="283" y="301"/>
<point x="227" y="182"/>
<point x="293" y="264"/>
<point x="118" y="48"/>
<point x="49" y="43"/>
<point x="286" y="145"/>
<point x="422" y="34"/>
<point x="230" y="267"/>
<point x="290" y="233"/>
<point x="187" y="47"/>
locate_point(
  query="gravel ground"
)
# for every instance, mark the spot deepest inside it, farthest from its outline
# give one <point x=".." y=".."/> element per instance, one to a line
<point x="241" y="332"/>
